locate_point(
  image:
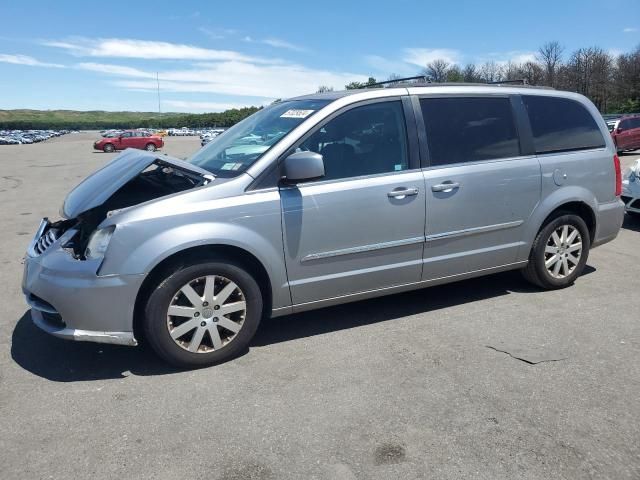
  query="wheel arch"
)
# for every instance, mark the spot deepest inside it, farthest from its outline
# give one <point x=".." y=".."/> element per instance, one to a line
<point x="578" y="208"/>
<point x="573" y="199"/>
<point x="201" y="253"/>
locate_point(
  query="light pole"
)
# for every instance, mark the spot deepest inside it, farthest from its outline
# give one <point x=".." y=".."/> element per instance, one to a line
<point x="158" y="83"/>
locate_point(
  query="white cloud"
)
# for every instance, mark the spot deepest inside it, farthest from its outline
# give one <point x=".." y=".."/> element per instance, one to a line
<point x="245" y="79"/>
<point x="216" y="33"/>
<point x="26" y="60"/>
<point x="115" y="70"/>
<point x="629" y="30"/>
<point x="523" y="57"/>
<point x="209" y="106"/>
<point x="423" y="56"/>
<point x="278" y="43"/>
<point x="145" y="49"/>
<point x="278" y="80"/>
<point x="503" y="58"/>
<point x="385" y="66"/>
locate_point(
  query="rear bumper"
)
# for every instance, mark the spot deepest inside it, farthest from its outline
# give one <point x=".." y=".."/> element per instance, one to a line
<point x="609" y="218"/>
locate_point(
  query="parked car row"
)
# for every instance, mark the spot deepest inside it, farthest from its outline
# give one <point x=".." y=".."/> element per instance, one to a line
<point x="25" y="137"/>
<point x="207" y="135"/>
<point x="184" y="131"/>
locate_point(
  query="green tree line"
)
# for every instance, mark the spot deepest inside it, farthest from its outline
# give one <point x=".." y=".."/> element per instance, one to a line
<point x="611" y="82"/>
<point x="99" y="120"/>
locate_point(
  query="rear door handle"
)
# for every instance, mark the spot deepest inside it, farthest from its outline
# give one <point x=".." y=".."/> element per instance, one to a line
<point x="402" y="192"/>
<point x="445" y="187"/>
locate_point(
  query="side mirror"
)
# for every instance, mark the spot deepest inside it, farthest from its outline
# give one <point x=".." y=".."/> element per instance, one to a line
<point x="619" y="130"/>
<point x="303" y="166"/>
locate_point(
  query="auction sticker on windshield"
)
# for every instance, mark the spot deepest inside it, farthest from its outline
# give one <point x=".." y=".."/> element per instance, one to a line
<point x="293" y="113"/>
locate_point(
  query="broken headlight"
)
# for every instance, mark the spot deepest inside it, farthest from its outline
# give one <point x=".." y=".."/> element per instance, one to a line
<point x="98" y="242"/>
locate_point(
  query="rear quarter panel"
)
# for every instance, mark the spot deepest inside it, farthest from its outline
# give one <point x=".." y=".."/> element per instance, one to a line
<point x="586" y="176"/>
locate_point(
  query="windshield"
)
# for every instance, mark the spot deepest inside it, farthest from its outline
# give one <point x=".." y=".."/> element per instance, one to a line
<point x="232" y="152"/>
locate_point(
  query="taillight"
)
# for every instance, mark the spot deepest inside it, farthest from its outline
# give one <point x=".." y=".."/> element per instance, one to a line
<point x="616" y="165"/>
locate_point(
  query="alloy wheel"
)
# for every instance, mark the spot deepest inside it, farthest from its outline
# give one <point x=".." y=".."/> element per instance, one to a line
<point x="563" y="251"/>
<point x="206" y="314"/>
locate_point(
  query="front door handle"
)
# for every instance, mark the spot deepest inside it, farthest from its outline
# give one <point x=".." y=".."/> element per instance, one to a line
<point x="445" y="187"/>
<point x="402" y="193"/>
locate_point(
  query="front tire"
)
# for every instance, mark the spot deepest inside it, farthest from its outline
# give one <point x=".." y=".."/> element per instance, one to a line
<point x="108" y="148"/>
<point x="559" y="252"/>
<point x="150" y="147"/>
<point x="203" y="314"/>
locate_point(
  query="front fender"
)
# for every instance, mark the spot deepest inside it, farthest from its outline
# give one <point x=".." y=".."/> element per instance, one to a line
<point x="136" y="249"/>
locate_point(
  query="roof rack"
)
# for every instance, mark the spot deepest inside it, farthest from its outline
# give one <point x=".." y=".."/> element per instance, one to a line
<point x="521" y="83"/>
<point x="398" y="80"/>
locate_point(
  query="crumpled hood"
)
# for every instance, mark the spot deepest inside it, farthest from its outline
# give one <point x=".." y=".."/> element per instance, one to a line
<point x="96" y="189"/>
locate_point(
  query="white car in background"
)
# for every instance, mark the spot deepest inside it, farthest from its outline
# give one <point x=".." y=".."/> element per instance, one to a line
<point x="631" y="190"/>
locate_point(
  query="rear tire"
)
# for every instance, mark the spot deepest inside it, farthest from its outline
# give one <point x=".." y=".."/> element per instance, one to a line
<point x="559" y="252"/>
<point x="150" y="147"/>
<point x="108" y="148"/>
<point x="198" y="336"/>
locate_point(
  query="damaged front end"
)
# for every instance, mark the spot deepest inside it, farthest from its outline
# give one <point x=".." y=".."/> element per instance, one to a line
<point x="132" y="178"/>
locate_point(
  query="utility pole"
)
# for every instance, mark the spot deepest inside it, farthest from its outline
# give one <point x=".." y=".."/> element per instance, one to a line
<point x="158" y="82"/>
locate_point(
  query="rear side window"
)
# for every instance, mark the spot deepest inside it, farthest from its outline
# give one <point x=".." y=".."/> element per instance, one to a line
<point x="561" y="125"/>
<point x="466" y="129"/>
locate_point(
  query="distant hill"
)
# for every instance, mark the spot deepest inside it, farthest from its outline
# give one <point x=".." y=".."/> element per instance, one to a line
<point x="97" y="119"/>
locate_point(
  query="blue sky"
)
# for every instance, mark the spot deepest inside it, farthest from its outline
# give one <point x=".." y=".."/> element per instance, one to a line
<point x="216" y="55"/>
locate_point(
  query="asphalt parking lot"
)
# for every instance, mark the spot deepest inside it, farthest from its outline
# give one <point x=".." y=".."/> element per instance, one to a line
<point x="398" y="387"/>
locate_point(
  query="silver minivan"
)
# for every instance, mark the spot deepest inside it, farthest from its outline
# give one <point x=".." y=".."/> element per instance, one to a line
<point x="325" y="199"/>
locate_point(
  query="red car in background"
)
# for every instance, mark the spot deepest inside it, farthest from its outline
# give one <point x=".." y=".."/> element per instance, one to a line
<point x="130" y="139"/>
<point x="626" y="133"/>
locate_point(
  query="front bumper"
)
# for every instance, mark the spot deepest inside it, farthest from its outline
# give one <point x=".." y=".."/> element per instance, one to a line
<point x="118" y="338"/>
<point x="70" y="300"/>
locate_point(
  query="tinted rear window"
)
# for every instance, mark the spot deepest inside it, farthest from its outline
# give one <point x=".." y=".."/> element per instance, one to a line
<point x="463" y="129"/>
<point x="561" y="125"/>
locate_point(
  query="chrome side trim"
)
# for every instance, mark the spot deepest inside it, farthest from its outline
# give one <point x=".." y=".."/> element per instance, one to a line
<point x="352" y="297"/>
<point x="117" y="338"/>
<point x="280" y="311"/>
<point x="473" y="231"/>
<point x="361" y="249"/>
